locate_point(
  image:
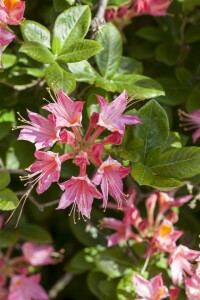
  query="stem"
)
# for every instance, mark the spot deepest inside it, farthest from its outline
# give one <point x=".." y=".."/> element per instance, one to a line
<point x="145" y="265"/>
<point x="96" y="134"/>
<point x="101" y="10"/>
<point x="60" y="285"/>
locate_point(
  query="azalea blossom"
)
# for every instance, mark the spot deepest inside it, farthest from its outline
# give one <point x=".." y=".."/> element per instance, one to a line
<point x="11" y="11"/>
<point x="6" y="37"/>
<point x="174" y="293"/>
<point x="26" y="288"/>
<point x="37" y="255"/>
<point x="80" y="192"/>
<point x="110" y="175"/>
<point x="39" y="130"/>
<point x="151" y="7"/>
<point x="111" y="114"/>
<point x="192" y="289"/>
<point x="150" y="290"/>
<point x="191" y="122"/>
<point x="180" y="263"/>
<point x="68" y="113"/>
<point x="46" y="169"/>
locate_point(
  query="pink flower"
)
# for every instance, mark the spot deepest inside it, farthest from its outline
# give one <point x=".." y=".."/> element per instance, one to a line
<point x="150" y="290"/>
<point x="3" y="294"/>
<point x="166" y="201"/>
<point x="111" y="114"/>
<point x="68" y="113"/>
<point x="151" y="7"/>
<point x="26" y="288"/>
<point x="37" y="255"/>
<point x="191" y="121"/>
<point x="47" y="170"/>
<point x="11" y="11"/>
<point x="39" y="130"/>
<point x="110" y="175"/>
<point x="174" y="293"/>
<point x="179" y="263"/>
<point x="80" y="191"/>
<point x="192" y="289"/>
<point x="6" y="37"/>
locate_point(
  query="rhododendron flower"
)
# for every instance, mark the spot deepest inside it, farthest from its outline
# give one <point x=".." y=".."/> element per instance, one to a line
<point x="26" y="288"/>
<point x="179" y="263"/>
<point x="166" y="201"/>
<point x="11" y="11"/>
<point x="191" y="121"/>
<point x="111" y="114"/>
<point x="39" y="130"/>
<point x="174" y="293"/>
<point x="151" y="7"/>
<point x="110" y="175"/>
<point x="150" y="290"/>
<point x="6" y="37"/>
<point x="37" y="255"/>
<point x="47" y="170"/>
<point x="67" y="112"/>
<point x="80" y="192"/>
<point x="192" y="287"/>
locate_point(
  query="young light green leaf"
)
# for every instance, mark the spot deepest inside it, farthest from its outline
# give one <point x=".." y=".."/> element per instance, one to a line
<point x="83" y="71"/>
<point x="4" y="179"/>
<point x="35" y="32"/>
<point x="38" y="52"/>
<point x="79" y="51"/>
<point x="70" y="27"/>
<point x="57" y="78"/>
<point x="177" y="163"/>
<point x="8" y="60"/>
<point x="109" y="59"/>
<point x="155" y="127"/>
<point x="8" y="200"/>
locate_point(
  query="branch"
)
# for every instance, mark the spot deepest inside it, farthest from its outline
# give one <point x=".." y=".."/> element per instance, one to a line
<point x="101" y="10"/>
<point x="60" y="285"/>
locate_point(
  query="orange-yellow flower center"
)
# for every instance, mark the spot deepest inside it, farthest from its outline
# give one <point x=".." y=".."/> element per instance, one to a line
<point x="17" y="283"/>
<point x="9" y="4"/>
<point x="165" y="229"/>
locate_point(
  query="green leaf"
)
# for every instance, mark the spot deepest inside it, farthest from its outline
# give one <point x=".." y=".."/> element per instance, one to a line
<point x="117" y="2"/>
<point x="8" y="200"/>
<point x="168" y="53"/>
<point x="192" y="34"/>
<point x="8" y="60"/>
<point x="57" y="78"/>
<point x="4" y="179"/>
<point x="151" y="33"/>
<point x="125" y="289"/>
<point x="189" y="6"/>
<point x="144" y="176"/>
<point x="5" y="128"/>
<point x="7" y="238"/>
<point x="177" y="163"/>
<point x="80" y="263"/>
<point x="38" y="52"/>
<point x="173" y="141"/>
<point x="79" y="51"/>
<point x="155" y="127"/>
<point x="35" y="32"/>
<point x="108" y="60"/>
<point x="34" y="233"/>
<point x="83" y="71"/>
<point x="129" y="66"/>
<point x="70" y="27"/>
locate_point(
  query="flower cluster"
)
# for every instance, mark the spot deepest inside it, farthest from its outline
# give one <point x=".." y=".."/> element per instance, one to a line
<point x="63" y="125"/>
<point x="159" y="234"/>
<point x="11" y="13"/>
<point x="122" y="15"/>
<point x="15" y="280"/>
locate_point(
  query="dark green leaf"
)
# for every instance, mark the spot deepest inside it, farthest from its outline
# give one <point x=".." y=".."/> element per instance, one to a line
<point x="108" y="60"/>
<point x="70" y="27"/>
<point x="38" y="52"/>
<point x="5" y="128"/>
<point x="35" y="32"/>
<point x="79" y="51"/>
<point x="7" y="238"/>
<point x="129" y="66"/>
<point x="34" y="233"/>
<point x="155" y="127"/>
<point x="151" y="33"/>
<point x="57" y="78"/>
<point x="4" y="179"/>
<point x="168" y="53"/>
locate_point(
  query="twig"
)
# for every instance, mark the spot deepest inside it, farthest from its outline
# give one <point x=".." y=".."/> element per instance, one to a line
<point x="101" y="10"/>
<point x="60" y="285"/>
